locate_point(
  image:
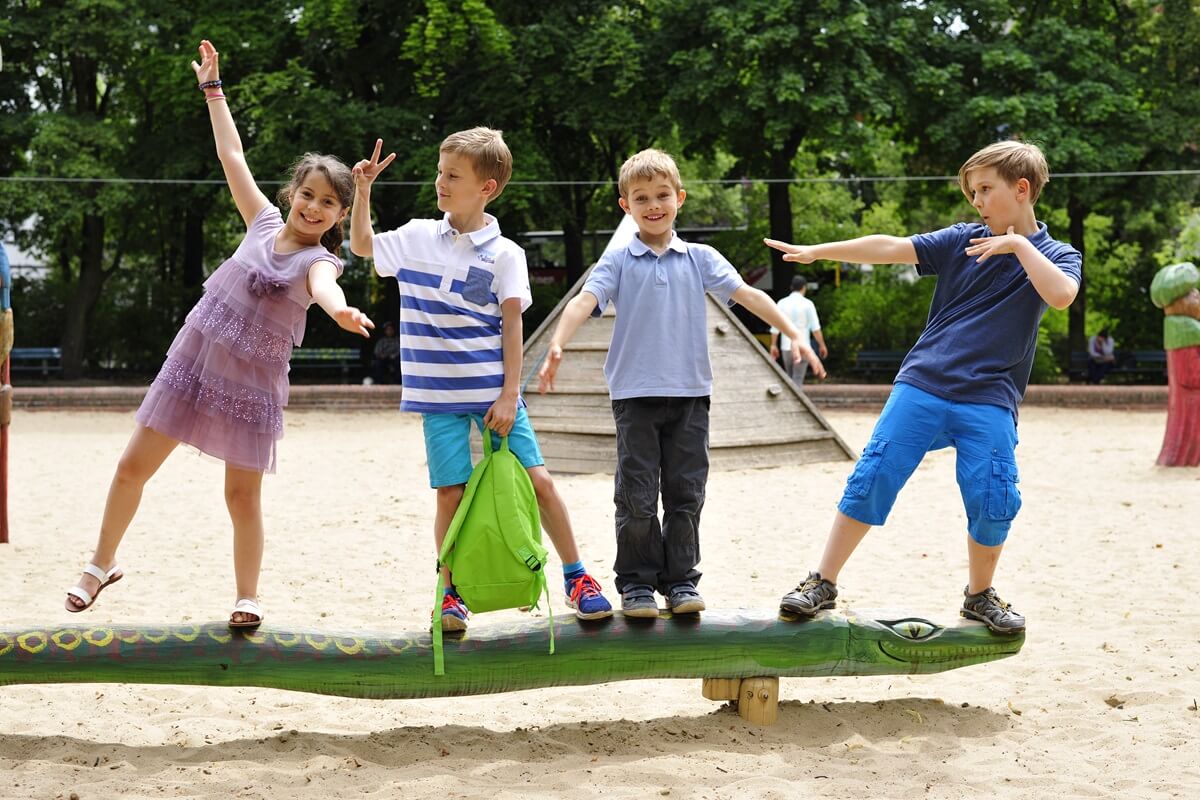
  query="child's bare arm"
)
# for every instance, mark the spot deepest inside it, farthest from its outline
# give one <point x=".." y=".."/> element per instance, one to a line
<point x="503" y="413"/>
<point x="875" y="249"/>
<point x="575" y="314"/>
<point x="1056" y="287"/>
<point x="323" y="286"/>
<point x="758" y="303"/>
<point x="246" y="194"/>
<point x="365" y="172"/>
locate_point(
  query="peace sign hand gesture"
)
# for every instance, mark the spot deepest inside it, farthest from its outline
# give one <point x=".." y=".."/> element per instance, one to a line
<point x="366" y="171"/>
<point x="207" y="69"/>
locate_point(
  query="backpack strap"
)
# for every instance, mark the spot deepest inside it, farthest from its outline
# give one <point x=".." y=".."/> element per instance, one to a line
<point x="439" y="661"/>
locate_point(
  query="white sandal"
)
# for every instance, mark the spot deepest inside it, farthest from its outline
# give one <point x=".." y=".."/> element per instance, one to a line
<point x="78" y="592"/>
<point x="247" y="605"/>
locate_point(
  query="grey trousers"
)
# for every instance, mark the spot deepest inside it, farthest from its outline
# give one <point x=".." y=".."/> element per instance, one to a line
<point x="662" y="444"/>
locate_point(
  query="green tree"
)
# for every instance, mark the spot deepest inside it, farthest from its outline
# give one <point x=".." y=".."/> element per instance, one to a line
<point x="762" y="78"/>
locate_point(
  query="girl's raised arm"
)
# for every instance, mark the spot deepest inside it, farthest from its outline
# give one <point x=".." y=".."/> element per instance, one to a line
<point x="246" y="194"/>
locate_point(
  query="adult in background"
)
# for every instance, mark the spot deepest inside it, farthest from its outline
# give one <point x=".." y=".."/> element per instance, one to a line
<point x="1101" y="359"/>
<point x="803" y="314"/>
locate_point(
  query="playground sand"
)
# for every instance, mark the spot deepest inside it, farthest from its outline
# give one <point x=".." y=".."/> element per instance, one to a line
<point x="1101" y="702"/>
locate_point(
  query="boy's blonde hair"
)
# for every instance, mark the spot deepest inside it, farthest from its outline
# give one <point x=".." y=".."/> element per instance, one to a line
<point x="487" y="151"/>
<point x="647" y="165"/>
<point x="1012" y="161"/>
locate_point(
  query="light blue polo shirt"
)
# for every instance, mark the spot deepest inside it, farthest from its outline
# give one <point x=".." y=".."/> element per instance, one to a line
<point x="660" y="342"/>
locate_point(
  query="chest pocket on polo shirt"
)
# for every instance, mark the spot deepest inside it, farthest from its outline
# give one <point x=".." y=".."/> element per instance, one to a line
<point x="477" y="288"/>
<point x="1007" y="270"/>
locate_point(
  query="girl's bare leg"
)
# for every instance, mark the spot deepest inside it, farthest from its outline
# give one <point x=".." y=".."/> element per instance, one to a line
<point x="243" y="498"/>
<point x="145" y="453"/>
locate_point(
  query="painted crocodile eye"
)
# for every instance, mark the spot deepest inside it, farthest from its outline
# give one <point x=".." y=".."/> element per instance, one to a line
<point x="914" y="629"/>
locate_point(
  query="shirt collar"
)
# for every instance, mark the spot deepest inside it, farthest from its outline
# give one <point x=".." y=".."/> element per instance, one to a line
<point x="489" y="231"/>
<point x="639" y="248"/>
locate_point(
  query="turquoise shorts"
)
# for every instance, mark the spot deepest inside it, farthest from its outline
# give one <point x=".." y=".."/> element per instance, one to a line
<point x="914" y="422"/>
<point x="448" y="445"/>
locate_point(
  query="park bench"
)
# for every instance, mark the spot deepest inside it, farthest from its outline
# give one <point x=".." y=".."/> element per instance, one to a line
<point x="1149" y="365"/>
<point x="319" y="359"/>
<point x="43" y="360"/>
<point x="878" y="363"/>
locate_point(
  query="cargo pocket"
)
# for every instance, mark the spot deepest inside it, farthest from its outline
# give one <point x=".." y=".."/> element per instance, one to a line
<point x="477" y="288"/>
<point x="1004" y="499"/>
<point x="867" y="468"/>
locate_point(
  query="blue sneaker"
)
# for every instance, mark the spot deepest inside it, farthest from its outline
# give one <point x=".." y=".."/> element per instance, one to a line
<point x="454" y="613"/>
<point x="583" y="595"/>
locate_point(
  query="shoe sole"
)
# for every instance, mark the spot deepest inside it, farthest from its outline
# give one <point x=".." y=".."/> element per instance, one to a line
<point x="687" y="607"/>
<point x="452" y="623"/>
<point x="993" y="628"/>
<point x="644" y="613"/>
<point x="805" y="612"/>
<point x="592" y="615"/>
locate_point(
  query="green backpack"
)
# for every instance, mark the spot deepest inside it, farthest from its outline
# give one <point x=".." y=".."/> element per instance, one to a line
<point x="493" y="547"/>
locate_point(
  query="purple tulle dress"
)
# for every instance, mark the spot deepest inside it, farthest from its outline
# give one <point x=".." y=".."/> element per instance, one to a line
<point x="224" y="384"/>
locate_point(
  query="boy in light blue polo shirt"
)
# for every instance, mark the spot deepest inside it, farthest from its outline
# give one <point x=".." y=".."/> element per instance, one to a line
<point x="961" y="383"/>
<point x="660" y="379"/>
<point x="463" y="288"/>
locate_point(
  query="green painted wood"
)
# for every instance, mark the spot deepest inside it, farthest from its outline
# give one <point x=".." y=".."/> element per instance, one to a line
<point x="500" y="658"/>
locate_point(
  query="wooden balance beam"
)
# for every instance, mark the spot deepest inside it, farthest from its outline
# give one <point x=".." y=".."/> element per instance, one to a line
<point x="739" y="654"/>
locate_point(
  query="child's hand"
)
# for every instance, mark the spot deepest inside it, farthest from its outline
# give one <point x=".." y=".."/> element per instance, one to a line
<point x="994" y="245"/>
<point x="806" y="353"/>
<point x="366" y="171"/>
<point x="207" y="69"/>
<point x="353" y="320"/>
<point x="792" y="252"/>
<point x="549" y="369"/>
<point x="501" y="416"/>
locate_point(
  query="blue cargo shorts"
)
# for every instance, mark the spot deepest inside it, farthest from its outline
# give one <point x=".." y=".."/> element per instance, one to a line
<point x="448" y="445"/>
<point x="914" y="422"/>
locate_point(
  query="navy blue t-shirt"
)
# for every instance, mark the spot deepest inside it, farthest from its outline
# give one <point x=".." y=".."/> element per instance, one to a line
<point x="981" y="335"/>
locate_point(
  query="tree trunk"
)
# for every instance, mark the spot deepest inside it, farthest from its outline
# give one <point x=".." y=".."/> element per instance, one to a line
<point x="83" y="299"/>
<point x="1077" y="314"/>
<point x="780" y="215"/>
<point x="193" y="249"/>
<point x="574" y="224"/>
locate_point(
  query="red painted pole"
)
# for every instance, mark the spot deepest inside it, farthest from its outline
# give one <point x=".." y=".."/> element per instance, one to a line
<point x="1181" y="442"/>
<point x="5" y="414"/>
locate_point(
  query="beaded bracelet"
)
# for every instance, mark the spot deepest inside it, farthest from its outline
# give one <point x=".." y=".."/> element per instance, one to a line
<point x="210" y="85"/>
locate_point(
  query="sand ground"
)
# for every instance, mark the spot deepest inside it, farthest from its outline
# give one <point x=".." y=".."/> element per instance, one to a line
<point x="1100" y="703"/>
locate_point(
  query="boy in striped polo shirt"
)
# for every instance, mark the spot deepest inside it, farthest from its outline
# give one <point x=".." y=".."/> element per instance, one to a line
<point x="463" y="288"/>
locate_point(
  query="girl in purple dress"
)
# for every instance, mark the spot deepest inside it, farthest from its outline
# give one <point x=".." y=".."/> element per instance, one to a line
<point x="224" y="383"/>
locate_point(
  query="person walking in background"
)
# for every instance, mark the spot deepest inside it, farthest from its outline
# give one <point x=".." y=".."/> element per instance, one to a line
<point x="803" y="314"/>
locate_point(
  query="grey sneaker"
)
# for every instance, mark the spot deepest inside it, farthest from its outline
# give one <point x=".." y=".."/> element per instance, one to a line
<point x="638" y="601"/>
<point x="810" y="597"/>
<point x="988" y="608"/>
<point x="684" y="599"/>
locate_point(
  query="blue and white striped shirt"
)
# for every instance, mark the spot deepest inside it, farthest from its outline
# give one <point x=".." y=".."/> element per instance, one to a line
<point x="451" y="287"/>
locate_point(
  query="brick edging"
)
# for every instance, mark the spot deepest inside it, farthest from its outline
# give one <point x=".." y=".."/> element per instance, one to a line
<point x="353" y="397"/>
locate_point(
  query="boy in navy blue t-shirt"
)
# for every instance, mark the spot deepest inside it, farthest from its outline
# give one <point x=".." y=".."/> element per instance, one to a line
<point x="961" y="383"/>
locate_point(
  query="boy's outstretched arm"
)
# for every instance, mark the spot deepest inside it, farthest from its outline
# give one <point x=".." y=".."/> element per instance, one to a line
<point x="503" y="413"/>
<point x="323" y="286"/>
<point x="365" y="172"/>
<point x="875" y="249"/>
<point x="1056" y="287"/>
<point x="762" y="306"/>
<point x="246" y="194"/>
<point x="575" y="314"/>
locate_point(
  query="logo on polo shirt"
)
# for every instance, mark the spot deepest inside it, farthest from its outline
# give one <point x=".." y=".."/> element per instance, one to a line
<point x="486" y="256"/>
